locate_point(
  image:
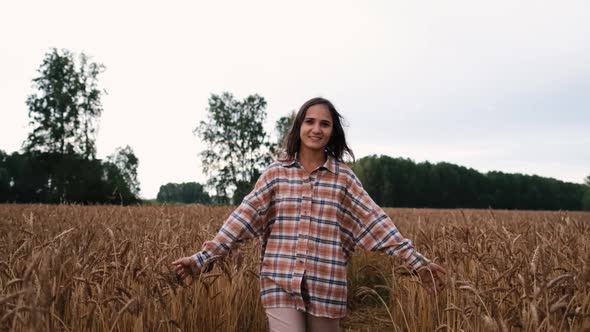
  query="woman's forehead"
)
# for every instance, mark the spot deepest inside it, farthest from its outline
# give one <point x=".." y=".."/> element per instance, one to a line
<point x="319" y="111"/>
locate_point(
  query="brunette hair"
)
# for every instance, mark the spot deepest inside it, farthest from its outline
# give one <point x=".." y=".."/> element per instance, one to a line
<point x="337" y="146"/>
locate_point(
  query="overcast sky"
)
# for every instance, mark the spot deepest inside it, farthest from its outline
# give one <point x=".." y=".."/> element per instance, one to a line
<point x="500" y="85"/>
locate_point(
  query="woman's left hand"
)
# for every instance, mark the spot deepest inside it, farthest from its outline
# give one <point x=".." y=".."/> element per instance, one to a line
<point x="432" y="276"/>
<point x="185" y="267"/>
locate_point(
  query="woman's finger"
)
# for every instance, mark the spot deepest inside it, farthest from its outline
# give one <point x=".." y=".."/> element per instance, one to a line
<point x="438" y="268"/>
<point x="184" y="267"/>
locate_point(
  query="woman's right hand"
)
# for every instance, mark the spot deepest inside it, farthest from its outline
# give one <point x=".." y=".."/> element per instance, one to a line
<point x="432" y="277"/>
<point x="184" y="267"/>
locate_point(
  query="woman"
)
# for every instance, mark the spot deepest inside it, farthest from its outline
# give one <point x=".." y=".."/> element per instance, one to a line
<point x="311" y="212"/>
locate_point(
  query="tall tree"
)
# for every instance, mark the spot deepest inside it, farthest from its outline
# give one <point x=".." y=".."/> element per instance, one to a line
<point x="5" y="179"/>
<point x="65" y="106"/>
<point x="282" y="127"/>
<point x="237" y="145"/>
<point x="186" y="192"/>
<point x="126" y="162"/>
<point x="586" y="197"/>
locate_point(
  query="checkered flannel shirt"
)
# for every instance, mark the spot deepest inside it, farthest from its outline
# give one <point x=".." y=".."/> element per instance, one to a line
<point x="309" y="225"/>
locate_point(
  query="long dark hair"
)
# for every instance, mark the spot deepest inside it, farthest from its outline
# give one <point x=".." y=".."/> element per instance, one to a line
<point x="337" y="146"/>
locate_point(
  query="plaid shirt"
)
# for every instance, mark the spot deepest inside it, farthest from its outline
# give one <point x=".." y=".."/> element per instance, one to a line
<point x="310" y="225"/>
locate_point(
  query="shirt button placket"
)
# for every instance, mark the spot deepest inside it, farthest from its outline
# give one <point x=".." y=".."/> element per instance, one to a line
<point x="301" y="252"/>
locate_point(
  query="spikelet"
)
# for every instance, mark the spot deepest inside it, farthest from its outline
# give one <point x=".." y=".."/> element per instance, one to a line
<point x="553" y="282"/>
<point x="523" y="284"/>
<point x="489" y="324"/>
<point x="120" y="312"/>
<point x="557" y="306"/>
<point x="534" y="314"/>
<point x="534" y="261"/>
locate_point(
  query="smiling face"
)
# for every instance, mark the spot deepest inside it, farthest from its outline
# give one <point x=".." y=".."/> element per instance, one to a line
<point x="316" y="128"/>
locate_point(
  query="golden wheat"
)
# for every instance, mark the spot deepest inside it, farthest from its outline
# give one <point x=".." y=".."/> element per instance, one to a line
<point x="96" y="268"/>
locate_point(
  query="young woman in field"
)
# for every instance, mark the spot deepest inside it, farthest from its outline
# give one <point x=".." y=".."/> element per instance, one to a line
<point x="311" y="212"/>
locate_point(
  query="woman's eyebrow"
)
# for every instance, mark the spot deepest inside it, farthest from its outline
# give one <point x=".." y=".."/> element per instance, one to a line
<point x="312" y="118"/>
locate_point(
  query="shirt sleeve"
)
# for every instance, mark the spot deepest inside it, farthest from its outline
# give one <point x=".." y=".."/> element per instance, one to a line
<point x="243" y="223"/>
<point x="373" y="230"/>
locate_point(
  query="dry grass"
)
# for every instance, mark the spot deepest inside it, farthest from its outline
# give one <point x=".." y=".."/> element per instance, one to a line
<point x="77" y="268"/>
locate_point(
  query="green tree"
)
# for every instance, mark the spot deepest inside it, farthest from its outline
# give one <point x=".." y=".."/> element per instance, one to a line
<point x="282" y="127"/>
<point x="125" y="160"/>
<point x="402" y="182"/>
<point x="5" y="178"/>
<point x="586" y="197"/>
<point x="186" y="192"/>
<point x="237" y="146"/>
<point x="32" y="178"/>
<point x="65" y="106"/>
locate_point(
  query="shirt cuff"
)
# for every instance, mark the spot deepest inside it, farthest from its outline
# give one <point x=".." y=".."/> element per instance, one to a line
<point x="416" y="261"/>
<point x="201" y="260"/>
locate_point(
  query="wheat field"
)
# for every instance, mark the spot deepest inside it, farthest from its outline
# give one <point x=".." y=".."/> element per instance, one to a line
<point x="107" y="268"/>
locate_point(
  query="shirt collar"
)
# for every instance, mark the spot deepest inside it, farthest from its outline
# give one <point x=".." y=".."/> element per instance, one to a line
<point x="329" y="164"/>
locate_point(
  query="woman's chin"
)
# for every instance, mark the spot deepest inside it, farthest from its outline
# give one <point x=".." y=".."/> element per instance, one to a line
<point x="315" y="147"/>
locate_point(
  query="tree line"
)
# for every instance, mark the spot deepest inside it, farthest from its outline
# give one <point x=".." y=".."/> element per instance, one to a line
<point x="399" y="182"/>
<point x="50" y="177"/>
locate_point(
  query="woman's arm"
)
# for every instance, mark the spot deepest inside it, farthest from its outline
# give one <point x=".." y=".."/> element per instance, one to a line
<point x="374" y="230"/>
<point x="244" y="223"/>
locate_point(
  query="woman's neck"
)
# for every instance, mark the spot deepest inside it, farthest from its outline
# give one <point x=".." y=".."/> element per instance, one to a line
<point x="311" y="159"/>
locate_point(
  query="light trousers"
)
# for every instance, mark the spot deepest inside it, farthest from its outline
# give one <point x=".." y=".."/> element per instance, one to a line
<point x="293" y="320"/>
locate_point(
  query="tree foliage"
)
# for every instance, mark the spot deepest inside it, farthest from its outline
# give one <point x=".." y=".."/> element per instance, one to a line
<point x="586" y="197"/>
<point x="237" y="148"/>
<point x="282" y="127"/>
<point x="35" y="178"/>
<point x="58" y="163"/>
<point x="65" y="106"/>
<point x="125" y="160"/>
<point x="186" y="192"/>
<point x="401" y="182"/>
